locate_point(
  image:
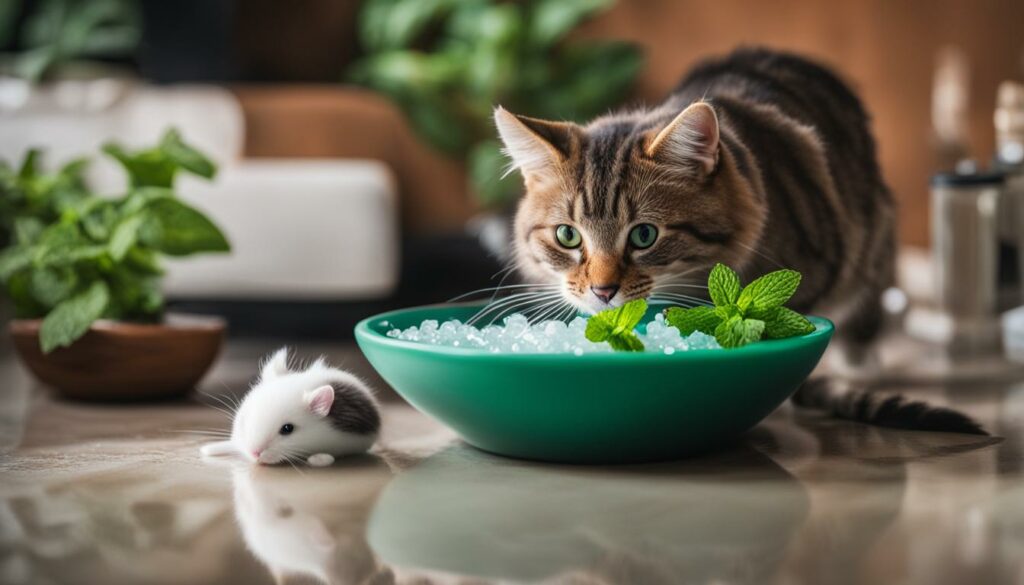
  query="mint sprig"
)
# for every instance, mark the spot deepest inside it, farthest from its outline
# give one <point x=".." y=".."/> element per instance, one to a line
<point x="615" y="326"/>
<point x="740" y="317"/>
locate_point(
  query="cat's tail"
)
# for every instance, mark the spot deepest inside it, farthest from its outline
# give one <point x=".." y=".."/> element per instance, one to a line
<point x="848" y="402"/>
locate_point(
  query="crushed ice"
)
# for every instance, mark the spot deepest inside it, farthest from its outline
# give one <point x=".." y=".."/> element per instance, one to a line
<point x="517" y="335"/>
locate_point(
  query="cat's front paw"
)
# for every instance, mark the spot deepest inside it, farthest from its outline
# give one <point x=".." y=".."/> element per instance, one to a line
<point x="320" y="460"/>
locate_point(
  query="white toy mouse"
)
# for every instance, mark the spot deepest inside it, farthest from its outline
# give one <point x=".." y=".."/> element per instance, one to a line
<point x="313" y="415"/>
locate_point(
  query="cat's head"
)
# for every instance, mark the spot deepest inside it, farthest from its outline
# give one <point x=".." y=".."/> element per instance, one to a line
<point x="629" y="202"/>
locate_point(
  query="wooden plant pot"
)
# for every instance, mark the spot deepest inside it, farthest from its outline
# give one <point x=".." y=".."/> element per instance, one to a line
<point x="123" y="361"/>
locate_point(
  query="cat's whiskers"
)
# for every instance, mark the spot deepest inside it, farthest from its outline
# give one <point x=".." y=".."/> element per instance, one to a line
<point x="552" y="308"/>
<point x="663" y="289"/>
<point x="763" y="255"/>
<point x="532" y="306"/>
<point x="680" y="285"/>
<point x="516" y="300"/>
<point x="508" y="270"/>
<point x="683" y="299"/>
<point x="500" y="288"/>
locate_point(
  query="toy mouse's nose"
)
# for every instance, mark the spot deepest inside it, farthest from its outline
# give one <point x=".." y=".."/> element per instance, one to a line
<point x="256" y="453"/>
<point x="605" y="292"/>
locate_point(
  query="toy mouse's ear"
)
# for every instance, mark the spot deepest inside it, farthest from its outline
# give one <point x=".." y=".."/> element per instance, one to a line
<point x="319" y="401"/>
<point x="276" y="365"/>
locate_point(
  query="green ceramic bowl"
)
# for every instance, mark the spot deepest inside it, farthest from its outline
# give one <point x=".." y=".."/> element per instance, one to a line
<point x="593" y="408"/>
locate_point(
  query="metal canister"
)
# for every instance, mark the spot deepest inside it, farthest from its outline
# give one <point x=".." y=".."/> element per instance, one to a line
<point x="965" y="247"/>
<point x="1009" y="125"/>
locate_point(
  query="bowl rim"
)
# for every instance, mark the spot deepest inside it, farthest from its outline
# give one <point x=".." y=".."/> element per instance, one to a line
<point x="824" y="328"/>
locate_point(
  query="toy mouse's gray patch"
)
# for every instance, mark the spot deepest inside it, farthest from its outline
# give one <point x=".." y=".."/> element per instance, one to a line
<point x="353" y="411"/>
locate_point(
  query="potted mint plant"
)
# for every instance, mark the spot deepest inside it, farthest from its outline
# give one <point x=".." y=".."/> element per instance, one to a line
<point x="83" y="274"/>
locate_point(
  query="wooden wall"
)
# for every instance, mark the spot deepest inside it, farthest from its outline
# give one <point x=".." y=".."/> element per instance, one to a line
<point x="887" y="49"/>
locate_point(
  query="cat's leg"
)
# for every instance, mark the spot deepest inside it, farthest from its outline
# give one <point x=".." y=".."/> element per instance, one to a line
<point x="320" y="460"/>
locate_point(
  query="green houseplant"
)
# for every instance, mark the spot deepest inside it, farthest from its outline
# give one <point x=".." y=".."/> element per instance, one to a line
<point x="447" y="63"/>
<point x="73" y="257"/>
<point x="57" y="33"/>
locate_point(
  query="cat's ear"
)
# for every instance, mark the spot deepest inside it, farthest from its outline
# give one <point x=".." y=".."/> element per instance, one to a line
<point x="276" y="365"/>
<point x="691" y="139"/>
<point x="535" y="146"/>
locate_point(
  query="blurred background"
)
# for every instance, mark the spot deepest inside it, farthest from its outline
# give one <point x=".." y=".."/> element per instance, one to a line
<point x="358" y="167"/>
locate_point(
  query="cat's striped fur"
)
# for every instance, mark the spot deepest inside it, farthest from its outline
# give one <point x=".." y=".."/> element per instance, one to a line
<point x="759" y="160"/>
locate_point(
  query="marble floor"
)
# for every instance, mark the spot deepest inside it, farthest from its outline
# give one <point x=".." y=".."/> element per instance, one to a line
<point x="119" y="494"/>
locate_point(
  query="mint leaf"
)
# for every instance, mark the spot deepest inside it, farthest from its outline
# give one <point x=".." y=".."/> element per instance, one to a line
<point x="13" y="259"/>
<point x="629" y="315"/>
<point x="99" y="219"/>
<point x="149" y="168"/>
<point x="753" y="329"/>
<point x="178" y="230"/>
<point x="703" y="319"/>
<point x="727" y="312"/>
<point x="71" y="319"/>
<point x="737" y="331"/>
<point x="626" y="341"/>
<point x="771" y="290"/>
<point x="599" y="328"/>
<point x="615" y="326"/>
<point x="30" y="164"/>
<point x="124" y="236"/>
<point x="27" y="229"/>
<point x="51" y="286"/>
<point x="781" y="322"/>
<point x="723" y="285"/>
<point x="185" y="156"/>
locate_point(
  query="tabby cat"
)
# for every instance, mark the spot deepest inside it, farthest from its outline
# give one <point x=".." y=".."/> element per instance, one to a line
<point x="758" y="160"/>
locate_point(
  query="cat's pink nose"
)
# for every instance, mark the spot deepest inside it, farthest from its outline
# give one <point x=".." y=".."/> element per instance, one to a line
<point x="605" y="292"/>
<point x="256" y="453"/>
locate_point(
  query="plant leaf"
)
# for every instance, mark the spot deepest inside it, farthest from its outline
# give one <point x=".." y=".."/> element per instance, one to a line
<point x="176" y="229"/>
<point x="723" y="285"/>
<point x="771" y="290"/>
<point x="629" y="315"/>
<point x="553" y="19"/>
<point x="589" y="77"/>
<point x="30" y="164"/>
<point x="599" y="328"/>
<point x="71" y="319"/>
<point x="13" y="259"/>
<point x="626" y="341"/>
<point x="50" y="286"/>
<point x="781" y="322"/>
<point x="124" y="236"/>
<point x="185" y="156"/>
<point x="703" y="319"/>
<point x="148" y="168"/>
<point x="753" y="329"/>
<point x="27" y="229"/>
<point x="616" y="326"/>
<point x="737" y="331"/>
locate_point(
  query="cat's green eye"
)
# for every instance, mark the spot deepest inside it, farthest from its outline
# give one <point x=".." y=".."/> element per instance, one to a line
<point x="568" y="236"/>
<point x="643" y="236"/>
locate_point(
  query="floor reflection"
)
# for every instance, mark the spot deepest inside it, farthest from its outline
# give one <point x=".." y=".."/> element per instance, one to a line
<point x="297" y="527"/>
<point x="727" y="517"/>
